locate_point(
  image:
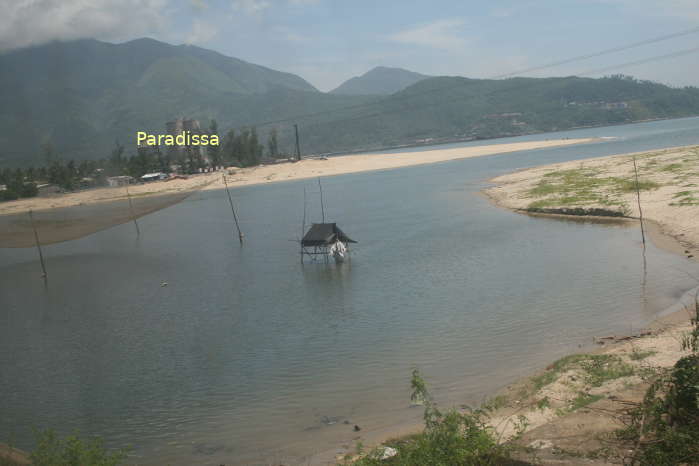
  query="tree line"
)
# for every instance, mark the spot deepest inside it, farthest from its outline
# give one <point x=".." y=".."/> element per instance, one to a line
<point x="242" y="148"/>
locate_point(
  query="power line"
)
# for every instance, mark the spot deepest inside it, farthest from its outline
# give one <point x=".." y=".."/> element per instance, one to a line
<point x="642" y="61"/>
<point x="527" y="70"/>
<point x="600" y="53"/>
<point x="529" y="84"/>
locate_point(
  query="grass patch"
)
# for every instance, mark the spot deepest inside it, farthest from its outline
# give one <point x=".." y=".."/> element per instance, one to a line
<point x="494" y="403"/>
<point x="673" y="167"/>
<point x="685" y="198"/>
<point x="604" y="367"/>
<point x="597" y="369"/>
<point x="583" y="186"/>
<point x="583" y="399"/>
<point x="682" y="194"/>
<point x="637" y="355"/>
<point x="629" y="186"/>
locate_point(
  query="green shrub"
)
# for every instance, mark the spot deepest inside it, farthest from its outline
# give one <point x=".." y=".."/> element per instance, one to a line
<point x="665" y="427"/>
<point x="51" y="450"/>
<point x="454" y="438"/>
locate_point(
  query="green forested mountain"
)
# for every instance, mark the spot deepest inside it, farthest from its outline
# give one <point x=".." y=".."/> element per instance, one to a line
<point x="82" y="96"/>
<point x="379" y="81"/>
<point x="455" y="107"/>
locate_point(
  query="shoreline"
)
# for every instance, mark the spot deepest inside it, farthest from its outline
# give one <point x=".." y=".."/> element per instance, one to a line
<point x="564" y="439"/>
<point x="663" y="327"/>
<point x="263" y="174"/>
<point x="508" y="191"/>
<point x="75" y="215"/>
<point x="553" y="436"/>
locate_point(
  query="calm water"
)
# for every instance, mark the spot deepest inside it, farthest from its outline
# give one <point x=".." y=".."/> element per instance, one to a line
<point x="247" y="356"/>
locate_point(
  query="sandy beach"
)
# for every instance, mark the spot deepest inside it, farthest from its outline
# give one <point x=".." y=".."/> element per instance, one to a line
<point x="571" y="415"/>
<point x="308" y="168"/>
<point x="668" y="178"/>
<point x="70" y="216"/>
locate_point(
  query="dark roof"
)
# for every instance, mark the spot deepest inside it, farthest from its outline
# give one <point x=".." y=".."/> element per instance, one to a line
<point x="323" y="234"/>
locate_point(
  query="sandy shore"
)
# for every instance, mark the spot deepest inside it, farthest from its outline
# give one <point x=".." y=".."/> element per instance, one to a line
<point x="669" y="178"/>
<point x="569" y="418"/>
<point x="573" y="408"/>
<point x="309" y="168"/>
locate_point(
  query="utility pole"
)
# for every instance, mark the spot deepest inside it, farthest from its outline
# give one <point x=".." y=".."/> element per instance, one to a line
<point x="638" y="199"/>
<point x="298" y="148"/>
<point x="38" y="244"/>
<point x="322" y="207"/>
<point x="235" y="217"/>
<point x="133" y="216"/>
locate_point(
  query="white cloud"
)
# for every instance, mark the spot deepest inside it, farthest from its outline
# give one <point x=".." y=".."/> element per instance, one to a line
<point x="251" y="6"/>
<point x="33" y="22"/>
<point x="442" y="34"/>
<point x="201" y="33"/>
<point x="686" y="9"/>
<point x="199" y="5"/>
<point x="503" y="12"/>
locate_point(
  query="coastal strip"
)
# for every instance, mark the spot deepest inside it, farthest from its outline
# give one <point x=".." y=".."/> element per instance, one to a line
<point x="573" y="411"/>
<point x="668" y="185"/>
<point x="570" y="412"/>
<point x="262" y="174"/>
<point x="71" y="216"/>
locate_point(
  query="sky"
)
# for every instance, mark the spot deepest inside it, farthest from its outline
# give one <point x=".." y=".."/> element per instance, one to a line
<point x="329" y="41"/>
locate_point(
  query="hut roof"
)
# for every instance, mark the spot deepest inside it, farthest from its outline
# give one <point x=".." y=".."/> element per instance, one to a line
<point x="323" y="234"/>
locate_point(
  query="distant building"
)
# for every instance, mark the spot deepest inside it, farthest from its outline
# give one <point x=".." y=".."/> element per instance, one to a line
<point x="3" y="187"/>
<point x="115" y="181"/>
<point x="616" y="105"/>
<point x="154" y="176"/>
<point x="180" y="125"/>
<point x="48" y="189"/>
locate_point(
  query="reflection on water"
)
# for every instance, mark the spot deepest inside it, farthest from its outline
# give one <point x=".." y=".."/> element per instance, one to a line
<point x="247" y="354"/>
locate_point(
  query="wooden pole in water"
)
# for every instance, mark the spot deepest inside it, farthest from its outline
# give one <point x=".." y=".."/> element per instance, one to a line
<point x="638" y="199"/>
<point x="133" y="216"/>
<point x="235" y="217"/>
<point x="298" y="147"/>
<point x="322" y="207"/>
<point x="303" y="223"/>
<point x="38" y="245"/>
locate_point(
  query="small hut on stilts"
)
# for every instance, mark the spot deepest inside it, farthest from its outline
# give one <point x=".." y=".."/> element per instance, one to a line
<point x="326" y="239"/>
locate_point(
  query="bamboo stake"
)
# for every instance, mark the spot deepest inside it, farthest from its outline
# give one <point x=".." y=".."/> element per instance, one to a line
<point x="133" y="216"/>
<point x="303" y="223"/>
<point x="643" y="234"/>
<point x="235" y="217"/>
<point x="322" y="208"/>
<point x="298" y="147"/>
<point x="638" y="199"/>
<point x="38" y="245"/>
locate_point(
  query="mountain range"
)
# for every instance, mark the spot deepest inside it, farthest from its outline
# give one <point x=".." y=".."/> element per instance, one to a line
<point x="379" y="81"/>
<point x="82" y="96"/>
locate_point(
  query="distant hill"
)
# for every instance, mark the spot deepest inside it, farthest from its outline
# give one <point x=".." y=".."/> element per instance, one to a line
<point x="379" y="81"/>
<point x="82" y="96"/>
<point x="444" y="108"/>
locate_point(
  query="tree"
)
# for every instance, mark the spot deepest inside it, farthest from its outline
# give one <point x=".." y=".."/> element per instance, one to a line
<point x="272" y="144"/>
<point x="49" y="155"/>
<point x="116" y="160"/>
<point x="214" y="151"/>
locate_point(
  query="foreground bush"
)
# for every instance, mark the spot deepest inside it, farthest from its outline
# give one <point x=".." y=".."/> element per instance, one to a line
<point x="72" y="451"/>
<point x="665" y="427"/>
<point x="454" y="438"/>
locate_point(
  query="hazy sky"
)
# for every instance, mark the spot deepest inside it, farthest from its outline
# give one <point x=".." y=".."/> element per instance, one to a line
<point x="329" y="41"/>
